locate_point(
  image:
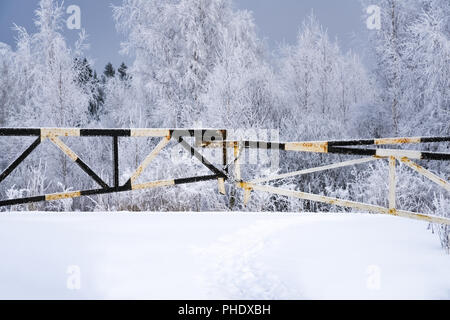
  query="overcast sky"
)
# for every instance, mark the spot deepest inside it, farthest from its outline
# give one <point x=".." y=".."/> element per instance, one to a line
<point x="277" y="21"/>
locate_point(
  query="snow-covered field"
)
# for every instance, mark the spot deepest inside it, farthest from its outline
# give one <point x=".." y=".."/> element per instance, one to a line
<point x="214" y="256"/>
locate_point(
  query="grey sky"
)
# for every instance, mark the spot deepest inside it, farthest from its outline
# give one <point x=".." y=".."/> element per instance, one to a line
<point x="277" y="21"/>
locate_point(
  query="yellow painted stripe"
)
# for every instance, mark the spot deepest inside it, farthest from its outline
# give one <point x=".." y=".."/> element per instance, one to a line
<point x="421" y="217"/>
<point x="237" y="164"/>
<point x="317" y="198"/>
<point x="346" y="203"/>
<point x="436" y="179"/>
<point x="318" y="146"/>
<point x="397" y="140"/>
<point x="60" y="196"/>
<point x="222" y="186"/>
<point x="247" y="195"/>
<point x="150" y="158"/>
<point x="392" y="183"/>
<point x="72" y="155"/>
<point x="59" y="132"/>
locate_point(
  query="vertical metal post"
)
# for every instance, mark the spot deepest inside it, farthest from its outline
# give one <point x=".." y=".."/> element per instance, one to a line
<point x="237" y="172"/>
<point x="237" y="164"/>
<point x="224" y="150"/>
<point x="116" y="161"/>
<point x="392" y="185"/>
<point x="247" y="195"/>
<point x="222" y="189"/>
<point x="221" y="181"/>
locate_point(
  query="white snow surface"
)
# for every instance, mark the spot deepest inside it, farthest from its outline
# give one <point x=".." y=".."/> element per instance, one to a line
<point x="220" y="256"/>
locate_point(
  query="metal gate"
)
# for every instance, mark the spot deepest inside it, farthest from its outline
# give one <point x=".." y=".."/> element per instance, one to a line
<point x="367" y="149"/>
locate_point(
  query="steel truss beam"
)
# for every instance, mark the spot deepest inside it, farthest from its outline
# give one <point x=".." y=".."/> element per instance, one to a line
<point x="213" y="138"/>
<point x="54" y="134"/>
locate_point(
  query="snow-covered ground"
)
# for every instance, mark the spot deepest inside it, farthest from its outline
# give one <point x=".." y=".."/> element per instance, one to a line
<point x="215" y="255"/>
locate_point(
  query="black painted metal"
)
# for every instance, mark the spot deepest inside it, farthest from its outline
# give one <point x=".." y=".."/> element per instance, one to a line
<point x="116" y="161"/>
<point x="91" y="173"/>
<point x="195" y="179"/>
<point x="20" y="159"/>
<point x="352" y="151"/>
<point x="18" y="132"/>
<point x="247" y="144"/>
<point x="105" y="132"/>
<point x="14" y="202"/>
<point x="372" y="141"/>
<point x="434" y="139"/>
<point x="108" y="190"/>
<point x="435" y="156"/>
<point x="224" y="151"/>
<point x="373" y="152"/>
<point x="350" y="143"/>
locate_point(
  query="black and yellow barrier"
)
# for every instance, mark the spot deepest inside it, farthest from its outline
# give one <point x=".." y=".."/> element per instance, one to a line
<point x="216" y="138"/>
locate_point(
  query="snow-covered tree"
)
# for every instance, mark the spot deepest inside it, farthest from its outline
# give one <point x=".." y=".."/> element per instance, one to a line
<point x="393" y="66"/>
<point x="8" y="85"/>
<point x="240" y="91"/>
<point x="427" y="55"/>
<point x="320" y="82"/>
<point x="45" y="78"/>
<point x="177" y="45"/>
<point x="57" y="99"/>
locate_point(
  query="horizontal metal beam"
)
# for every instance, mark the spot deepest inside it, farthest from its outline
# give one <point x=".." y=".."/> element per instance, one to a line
<point x="125" y="188"/>
<point x="324" y="147"/>
<point x="20" y="132"/>
<point x="386" y="153"/>
<point x="387" y="141"/>
<point x="191" y="132"/>
<point x="216" y="134"/>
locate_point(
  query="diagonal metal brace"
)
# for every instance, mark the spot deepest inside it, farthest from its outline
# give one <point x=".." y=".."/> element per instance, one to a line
<point x="72" y="155"/>
<point x="202" y="159"/>
<point x="20" y="159"/>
